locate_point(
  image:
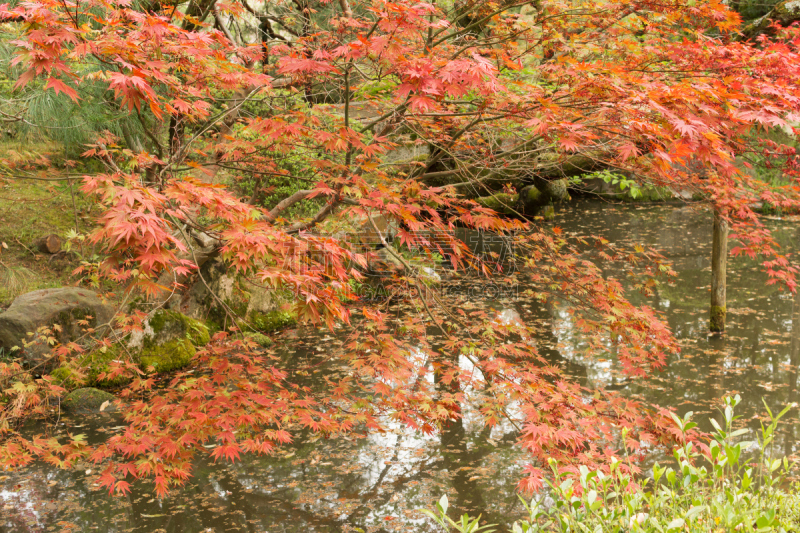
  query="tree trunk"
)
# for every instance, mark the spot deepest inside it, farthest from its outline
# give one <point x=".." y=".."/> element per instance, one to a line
<point x="49" y="244"/>
<point x="719" y="260"/>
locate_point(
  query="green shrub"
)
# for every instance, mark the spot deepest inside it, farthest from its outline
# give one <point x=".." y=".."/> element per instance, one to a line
<point x="722" y="490"/>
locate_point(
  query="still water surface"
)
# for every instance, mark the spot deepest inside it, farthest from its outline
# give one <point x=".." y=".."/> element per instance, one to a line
<point x="376" y="482"/>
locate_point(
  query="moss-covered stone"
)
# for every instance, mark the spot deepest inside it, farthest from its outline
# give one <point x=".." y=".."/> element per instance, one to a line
<point x="272" y="320"/>
<point x="166" y="357"/>
<point x="63" y="376"/>
<point x="94" y="363"/>
<point x="168" y="343"/>
<point x="87" y="400"/>
<point x="532" y="195"/>
<point x="503" y="203"/>
<point x="171" y="323"/>
<point x="260" y="339"/>
<point x="554" y="191"/>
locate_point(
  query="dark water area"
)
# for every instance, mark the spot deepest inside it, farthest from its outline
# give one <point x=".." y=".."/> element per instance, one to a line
<point x="378" y="481"/>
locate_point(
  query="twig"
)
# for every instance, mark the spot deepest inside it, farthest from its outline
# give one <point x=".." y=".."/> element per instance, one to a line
<point x="20" y="243"/>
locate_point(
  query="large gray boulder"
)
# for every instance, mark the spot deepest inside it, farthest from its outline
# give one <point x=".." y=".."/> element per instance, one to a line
<point x="67" y="312"/>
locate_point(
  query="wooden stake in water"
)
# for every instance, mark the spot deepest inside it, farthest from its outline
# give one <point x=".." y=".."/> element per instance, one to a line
<point x="719" y="260"/>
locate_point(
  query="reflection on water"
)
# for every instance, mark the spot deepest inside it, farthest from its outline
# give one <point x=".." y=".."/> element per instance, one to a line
<point x="376" y="482"/>
<point x="756" y="358"/>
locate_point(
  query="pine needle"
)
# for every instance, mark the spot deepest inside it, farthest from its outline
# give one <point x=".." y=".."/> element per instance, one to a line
<point x="15" y="279"/>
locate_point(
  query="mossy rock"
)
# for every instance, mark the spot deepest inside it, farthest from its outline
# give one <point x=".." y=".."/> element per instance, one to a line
<point x="554" y="191"/>
<point x="63" y="376"/>
<point x="166" y="357"/>
<point x="548" y="212"/>
<point x="272" y="320"/>
<point x="531" y="200"/>
<point x="260" y="339"/>
<point x="87" y="400"/>
<point x="171" y="324"/>
<point x="168" y="342"/>
<point x="66" y="311"/>
<point x="233" y="294"/>
<point x="531" y="195"/>
<point x="93" y="364"/>
<point x="503" y="203"/>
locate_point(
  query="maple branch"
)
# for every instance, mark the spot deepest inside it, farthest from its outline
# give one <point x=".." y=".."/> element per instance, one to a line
<point x="433" y="158"/>
<point x="784" y="13"/>
<point x="267" y="17"/>
<point x="321" y="215"/>
<point x="208" y="253"/>
<point x="220" y="25"/>
<point x="395" y="111"/>
<point x="345" y="5"/>
<point x="285" y="204"/>
<point x="574" y="166"/>
<point x="178" y="156"/>
<point x="472" y="25"/>
<point x="156" y="142"/>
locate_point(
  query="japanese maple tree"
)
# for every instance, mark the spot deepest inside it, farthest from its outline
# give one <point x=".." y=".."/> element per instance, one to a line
<point x="669" y="93"/>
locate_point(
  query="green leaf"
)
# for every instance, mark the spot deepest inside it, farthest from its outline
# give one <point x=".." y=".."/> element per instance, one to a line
<point x="694" y="511"/>
<point x="676" y="524"/>
<point x="443" y="503"/>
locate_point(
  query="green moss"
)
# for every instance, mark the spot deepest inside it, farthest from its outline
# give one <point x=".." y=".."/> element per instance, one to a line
<point x="168" y="356"/>
<point x="260" y="339"/>
<point x="272" y="321"/>
<point x="163" y="321"/>
<point x="94" y="364"/>
<point x="717" y="318"/>
<point x="532" y="195"/>
<point x="199" y="333"/>
<point x="86" y="400"/>
<point x="187" y="334"/>
<point x="99" y="361"/>
<point x="213" y="326"/>
<point x="63" y="376"/>
<point x="502" y="203"/>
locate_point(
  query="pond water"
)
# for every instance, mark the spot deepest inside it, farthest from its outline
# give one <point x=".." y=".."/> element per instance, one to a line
<point x="377" y="482"/>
